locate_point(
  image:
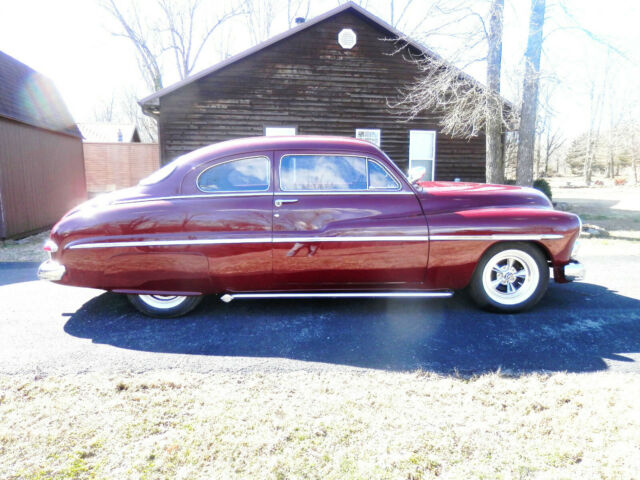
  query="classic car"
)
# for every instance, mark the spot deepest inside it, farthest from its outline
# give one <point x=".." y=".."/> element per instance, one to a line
<point x="310" y="217"/>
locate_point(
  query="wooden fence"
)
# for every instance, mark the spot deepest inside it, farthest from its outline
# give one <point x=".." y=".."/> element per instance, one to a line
<point x="111" y="166"/>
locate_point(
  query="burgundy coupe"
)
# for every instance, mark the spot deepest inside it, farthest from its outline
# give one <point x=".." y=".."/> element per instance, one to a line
<point x="310" y="217"/>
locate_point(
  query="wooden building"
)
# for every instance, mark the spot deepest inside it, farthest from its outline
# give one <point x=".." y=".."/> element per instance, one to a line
<point x="333" y="75"/>
<point x="41" y="164"/>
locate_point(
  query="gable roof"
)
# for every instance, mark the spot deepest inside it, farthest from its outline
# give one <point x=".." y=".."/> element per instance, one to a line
<point x="29" y="97"/>
<point x="104" y="132"/>
<point x="150" y="103"/>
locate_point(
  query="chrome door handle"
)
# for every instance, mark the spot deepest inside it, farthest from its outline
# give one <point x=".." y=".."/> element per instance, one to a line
<point x="282" y="201"/>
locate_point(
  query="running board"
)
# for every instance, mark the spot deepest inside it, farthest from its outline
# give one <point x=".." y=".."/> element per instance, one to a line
<point x="227" y="297"/>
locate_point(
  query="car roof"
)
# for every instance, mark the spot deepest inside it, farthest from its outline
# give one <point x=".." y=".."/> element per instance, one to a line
<point x="320" y="143"/>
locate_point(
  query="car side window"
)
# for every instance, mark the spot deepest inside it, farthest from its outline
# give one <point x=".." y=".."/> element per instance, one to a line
<point x="334" y="173"/>
<point x="242" y="175"/>
<point x="323" y="173"/>
<point x="379" y="178"/>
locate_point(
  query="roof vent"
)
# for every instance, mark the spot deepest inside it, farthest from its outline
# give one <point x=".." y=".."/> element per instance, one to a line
<point x="299" y="20"/>
<point x="347" y="38"/>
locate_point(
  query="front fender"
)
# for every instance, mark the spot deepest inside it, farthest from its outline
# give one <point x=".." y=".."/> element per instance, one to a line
<point x="459" y="239"/>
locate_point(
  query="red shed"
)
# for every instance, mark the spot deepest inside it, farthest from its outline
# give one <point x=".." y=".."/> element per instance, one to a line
<point x="41" y="163"/>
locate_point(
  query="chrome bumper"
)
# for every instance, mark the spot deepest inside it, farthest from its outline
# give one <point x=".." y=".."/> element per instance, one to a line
<point x="574" y="270"/>
<point x="51" y="271"/>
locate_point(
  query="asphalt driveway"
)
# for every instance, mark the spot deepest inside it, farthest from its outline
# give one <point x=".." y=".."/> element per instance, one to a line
<point x="580" y="327"/>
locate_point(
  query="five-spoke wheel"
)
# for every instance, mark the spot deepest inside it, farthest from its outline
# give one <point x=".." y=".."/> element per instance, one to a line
<point x="510" y="277"/>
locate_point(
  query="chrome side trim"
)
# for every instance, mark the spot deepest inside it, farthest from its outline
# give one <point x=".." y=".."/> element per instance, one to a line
<point x="183" y="197"/>
<point x="441" y="294"/>
<point x="313" y="239"/>
<point x="381" y="238"/>
<point x="517" y="236"/>
<point x="168" y="243"/>
<point x="254" y="194"/>
<point x="228" y="241"/>
<point x="338" y="192"/>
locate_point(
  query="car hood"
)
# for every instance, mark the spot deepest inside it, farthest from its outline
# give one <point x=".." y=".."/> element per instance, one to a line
<point x="438" y="197"/>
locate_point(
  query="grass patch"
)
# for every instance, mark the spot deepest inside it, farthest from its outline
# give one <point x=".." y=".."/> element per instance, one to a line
<point x="335" y="425"/>
<point x="24" y="250"/>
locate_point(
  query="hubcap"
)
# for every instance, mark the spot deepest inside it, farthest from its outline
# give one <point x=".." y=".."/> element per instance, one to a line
<point x="163" y="302"/>
<point x="510" y="277"/>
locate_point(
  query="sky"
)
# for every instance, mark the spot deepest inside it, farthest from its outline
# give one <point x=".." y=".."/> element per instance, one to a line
<point x="69" y="41"/>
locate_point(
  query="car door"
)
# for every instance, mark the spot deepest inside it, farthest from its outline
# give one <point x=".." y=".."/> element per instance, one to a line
<point x="227" y="205"/>
<point x="345" y="221"/>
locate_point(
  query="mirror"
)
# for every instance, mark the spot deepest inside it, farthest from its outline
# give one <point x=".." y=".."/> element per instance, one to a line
<point x="416" y="174"/>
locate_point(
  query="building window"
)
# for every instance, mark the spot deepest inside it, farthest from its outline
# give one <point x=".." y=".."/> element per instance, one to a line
<point x="422" y="152"/>
<point x="347" y="38"/>
<point x="279" y="131"/>
<point x="369" y="134"/>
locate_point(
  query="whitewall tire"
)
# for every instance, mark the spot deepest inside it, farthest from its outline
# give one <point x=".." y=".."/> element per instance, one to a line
<point x="164" y="306"/>
<point x="510" y="277"/>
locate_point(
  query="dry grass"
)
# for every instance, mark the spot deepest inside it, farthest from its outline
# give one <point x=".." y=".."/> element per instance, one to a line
<point x="616" y="209"/>
<point x="346" y="424"/>
<point x="28" y="249"/>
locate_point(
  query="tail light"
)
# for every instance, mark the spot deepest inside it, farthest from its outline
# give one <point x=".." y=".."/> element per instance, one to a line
<point x="50" y="247"/>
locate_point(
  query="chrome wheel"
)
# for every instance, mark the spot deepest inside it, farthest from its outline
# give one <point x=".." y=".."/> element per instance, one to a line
<point x="510" y="277"/>
<point x="162" y="302"/>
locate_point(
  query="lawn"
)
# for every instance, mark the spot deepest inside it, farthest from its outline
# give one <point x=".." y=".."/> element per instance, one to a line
<point x="342" y="425"/>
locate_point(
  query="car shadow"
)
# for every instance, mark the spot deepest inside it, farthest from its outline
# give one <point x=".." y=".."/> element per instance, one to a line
<point x="574" y="328"/>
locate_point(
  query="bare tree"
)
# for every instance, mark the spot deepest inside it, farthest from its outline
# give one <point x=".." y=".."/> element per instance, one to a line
<point x="493" y="131"/>
<point x="183" y="28"/>
<point x="104" y="111"/>
<point x="528" y="110"/>
<point x="466" y="107"/>
<point x="297" y="8"/>
<point x="185" y="40"/>
<point x="443" y="87"/>
<point x="549" y="137"/>
<point x="597" y="91"/>
<point x="145" y="39"/>
<point x="260" y="15"/>
<point x="397" y="13"/>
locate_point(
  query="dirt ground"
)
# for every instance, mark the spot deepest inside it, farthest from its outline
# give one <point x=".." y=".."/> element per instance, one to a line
<point x="614" y="208"/>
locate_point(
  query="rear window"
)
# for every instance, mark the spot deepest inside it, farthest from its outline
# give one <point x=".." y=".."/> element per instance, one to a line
<point x="242" y="175"/>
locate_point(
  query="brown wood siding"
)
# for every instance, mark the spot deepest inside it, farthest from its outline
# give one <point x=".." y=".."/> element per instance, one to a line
<point x="310" y="82"/>
<point x="41" y="177"/>
<point x="111" y="166"/>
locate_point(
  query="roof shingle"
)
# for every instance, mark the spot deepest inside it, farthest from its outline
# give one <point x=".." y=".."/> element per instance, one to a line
<point x="29" y="97"/>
